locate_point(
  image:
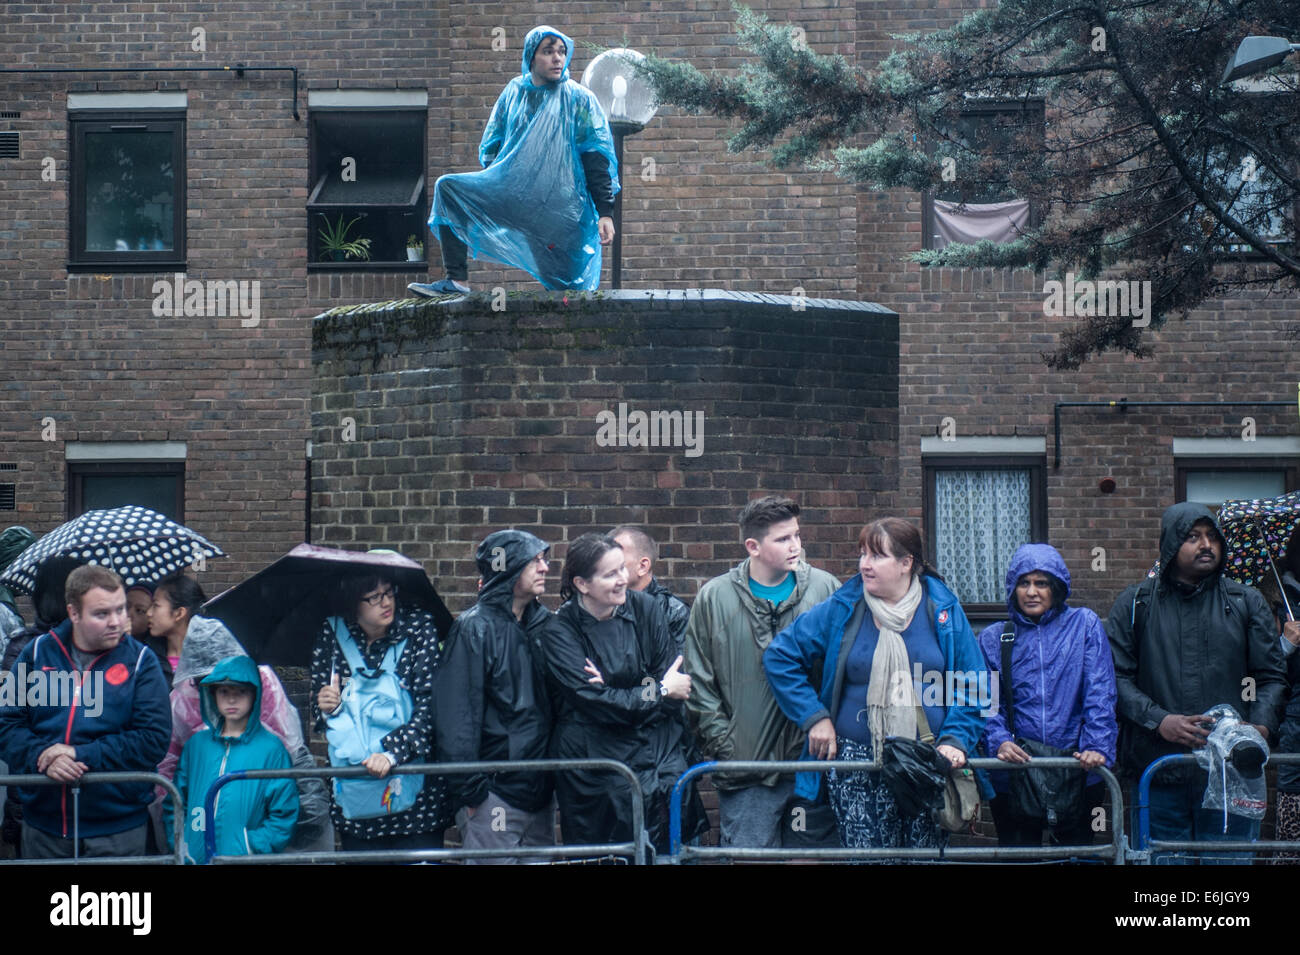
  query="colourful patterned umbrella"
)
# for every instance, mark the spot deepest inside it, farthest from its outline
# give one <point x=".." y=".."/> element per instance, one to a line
<point x="1257" y="532"/>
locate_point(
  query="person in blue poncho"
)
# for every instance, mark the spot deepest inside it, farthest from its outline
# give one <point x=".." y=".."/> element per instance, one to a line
<point x="544" y="199"/>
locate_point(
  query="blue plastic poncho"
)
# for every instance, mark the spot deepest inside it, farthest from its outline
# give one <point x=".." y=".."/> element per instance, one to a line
<point x="529" y="207"/>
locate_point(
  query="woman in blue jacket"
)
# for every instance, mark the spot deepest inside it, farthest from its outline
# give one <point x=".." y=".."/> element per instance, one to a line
<point x="1062" y="693"/>
<point x="894" y="628"/>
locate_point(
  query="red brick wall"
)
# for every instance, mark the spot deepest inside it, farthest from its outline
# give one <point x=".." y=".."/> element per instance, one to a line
<point x="97" y="360"/>
<point x="464" y="420"/>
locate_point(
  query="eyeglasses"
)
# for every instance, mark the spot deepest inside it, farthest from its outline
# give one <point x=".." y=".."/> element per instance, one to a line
<point x="376" y="599"/>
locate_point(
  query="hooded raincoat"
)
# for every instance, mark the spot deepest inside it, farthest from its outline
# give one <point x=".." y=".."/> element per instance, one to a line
<point x="1064" y="682"/>
<point x="491" y="699"/>
<point x="252" y="816"/>
<point x="625" y="718"/>
<point x="530" y="206"/>
<point x="207" y="643"/>
<point x="1182" y="650"/>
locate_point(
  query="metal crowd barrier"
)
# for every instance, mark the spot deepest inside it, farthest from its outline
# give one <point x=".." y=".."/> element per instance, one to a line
<point x="1145" y="847"/>
<point x="178" y="818"/>
<point x="634" y="850"/>
<point x="679" y="853"/>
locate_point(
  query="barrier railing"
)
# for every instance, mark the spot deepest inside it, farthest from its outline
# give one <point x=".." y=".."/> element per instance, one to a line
<point x="178" y="820"/>
<point x="635" y="849"/>
<point x="679" y="853"/>
<point x="1145" y="847"/>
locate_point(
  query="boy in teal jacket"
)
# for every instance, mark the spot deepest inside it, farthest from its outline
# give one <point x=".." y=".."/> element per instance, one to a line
<point x="251" y="816"/>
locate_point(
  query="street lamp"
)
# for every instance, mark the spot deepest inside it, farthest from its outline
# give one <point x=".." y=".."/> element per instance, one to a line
<point x="1257" y="54"/>
<point x="629" y="103"/>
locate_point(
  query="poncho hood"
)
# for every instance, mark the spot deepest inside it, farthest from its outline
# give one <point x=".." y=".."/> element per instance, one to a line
<point x="208" y="641"/>
<point x="534" y="39"/>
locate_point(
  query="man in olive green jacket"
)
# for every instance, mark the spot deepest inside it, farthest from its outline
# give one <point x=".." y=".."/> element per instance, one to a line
<point x="733" y="619"/>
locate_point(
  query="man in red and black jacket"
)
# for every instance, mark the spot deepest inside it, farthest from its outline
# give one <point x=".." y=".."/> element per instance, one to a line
<point x="85" y="697"/>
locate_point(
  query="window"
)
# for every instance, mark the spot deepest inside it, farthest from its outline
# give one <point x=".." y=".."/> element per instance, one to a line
<point x="158" y="485"/>
<point x="975" y="207"/>
<point x="1212" y="481"/>
<point x="127" y="190"/>
<point x="1254" y="198"/>
<point x="978" y="510"/>
<point x="367" y="191"/>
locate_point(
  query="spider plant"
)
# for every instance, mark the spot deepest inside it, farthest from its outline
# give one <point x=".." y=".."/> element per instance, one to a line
<point x="336" y="243"/>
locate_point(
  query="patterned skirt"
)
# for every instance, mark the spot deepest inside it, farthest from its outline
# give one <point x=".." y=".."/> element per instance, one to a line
<point x="867" y="814"/>
<point x="1288" y="826"/>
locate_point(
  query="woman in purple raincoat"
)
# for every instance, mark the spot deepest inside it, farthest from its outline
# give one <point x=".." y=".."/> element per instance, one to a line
<point x="1063" y="689"/>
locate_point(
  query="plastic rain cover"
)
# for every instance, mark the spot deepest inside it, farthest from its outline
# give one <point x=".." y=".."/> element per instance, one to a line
<point x="1234" y="755"/>
<point x="529" y="207"/>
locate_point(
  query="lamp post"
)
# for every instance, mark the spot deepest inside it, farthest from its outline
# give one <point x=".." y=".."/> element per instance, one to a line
<point x="1255" y="54"/>
<point x="628" y="102"/>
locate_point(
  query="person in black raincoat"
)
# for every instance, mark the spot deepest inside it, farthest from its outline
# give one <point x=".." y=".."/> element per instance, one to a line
<point x="617" y="688"/>
<point x="1183" y="642"/>
<point x="13" y="542"/>
<point x="491" y="701"/>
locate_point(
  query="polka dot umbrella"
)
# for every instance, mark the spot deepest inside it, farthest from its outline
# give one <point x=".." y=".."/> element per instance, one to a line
<point x="1257" y="532"/>
<point x="140" y="544"/>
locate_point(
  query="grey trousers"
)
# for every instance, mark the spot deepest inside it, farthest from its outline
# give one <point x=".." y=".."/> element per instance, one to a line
<point x="42" y="845"/>
<point x="498" y="825"/>
<point x="752" y="818"/>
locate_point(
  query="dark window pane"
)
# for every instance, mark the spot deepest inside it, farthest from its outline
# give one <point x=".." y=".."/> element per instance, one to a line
<point x="387" y="230"/>
<point x="130" y="192"/>
<point x="367" y="168"/>
<point x="158" y="492"/>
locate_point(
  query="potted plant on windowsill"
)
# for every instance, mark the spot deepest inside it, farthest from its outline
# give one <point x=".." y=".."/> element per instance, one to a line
<point x="337" y="245"/>
<point x="414" y="249"/>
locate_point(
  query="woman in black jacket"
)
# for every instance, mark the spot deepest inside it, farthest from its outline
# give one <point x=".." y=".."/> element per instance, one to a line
<point x="616" y="688"/>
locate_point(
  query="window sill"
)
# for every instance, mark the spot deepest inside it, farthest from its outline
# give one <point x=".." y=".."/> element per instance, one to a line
<point x="111" y="268"/>
<point x="419" y="267"/>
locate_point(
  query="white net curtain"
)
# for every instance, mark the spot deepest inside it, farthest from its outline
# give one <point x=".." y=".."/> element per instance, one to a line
<point x="981" y="517"/>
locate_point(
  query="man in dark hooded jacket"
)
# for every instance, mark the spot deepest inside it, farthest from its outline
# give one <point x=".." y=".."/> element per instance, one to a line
<point x="491" y="698"/>
<point x="1185" y="641"/>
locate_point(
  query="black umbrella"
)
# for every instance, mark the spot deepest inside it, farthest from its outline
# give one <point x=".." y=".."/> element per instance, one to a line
<point x="277" y="612"/>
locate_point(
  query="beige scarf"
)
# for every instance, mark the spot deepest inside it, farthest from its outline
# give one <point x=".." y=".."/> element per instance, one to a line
<point x="891" y="698"/>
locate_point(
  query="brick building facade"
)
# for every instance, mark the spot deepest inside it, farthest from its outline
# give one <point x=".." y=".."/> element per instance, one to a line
<point x="220" y="406"/>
